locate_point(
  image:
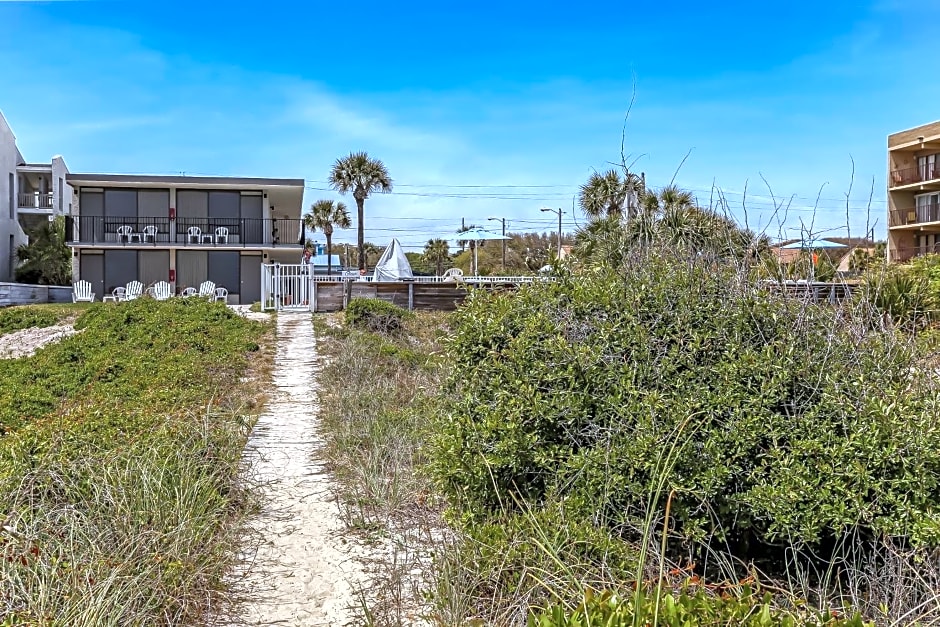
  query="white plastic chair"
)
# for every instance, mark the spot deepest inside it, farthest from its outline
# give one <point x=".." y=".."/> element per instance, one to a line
<point x="189" y="291"/>
<point x="162" y="290"/>
<point x="221" y="235"/>
<point x="81" y="293"/>
<point x="207" y="289"/>
<point x="221" y="294"/>
<point x="149" y="233"/>
<point x="117" y="295"/>
<point x="125" y="233"/>
<point x="194" y="235"/>
<point x="133" y="291"/>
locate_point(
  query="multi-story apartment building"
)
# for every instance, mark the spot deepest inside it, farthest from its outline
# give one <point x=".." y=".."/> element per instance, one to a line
<point x="183" y="229"/>
<point x="29" y="194"/>
<point x="914" y="192"/>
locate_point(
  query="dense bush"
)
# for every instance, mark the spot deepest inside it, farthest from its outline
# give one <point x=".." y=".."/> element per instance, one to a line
<point x="17" y="318"/>
<point x="376" y="315"/>
<point x="777" y="423"/>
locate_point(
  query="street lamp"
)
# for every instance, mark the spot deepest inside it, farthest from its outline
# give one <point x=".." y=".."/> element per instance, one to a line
<point x="503" y="220"/>
<point x="559" y="212"/>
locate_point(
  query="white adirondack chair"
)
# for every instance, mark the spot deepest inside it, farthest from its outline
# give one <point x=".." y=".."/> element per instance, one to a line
<point x="453" y="274"/>
<point x="207" y="289"/>
<point x="133" y="290"/>
<point x="162" y="290"/>
<point x="221" y="294"/>
<point x="81" y="293"/>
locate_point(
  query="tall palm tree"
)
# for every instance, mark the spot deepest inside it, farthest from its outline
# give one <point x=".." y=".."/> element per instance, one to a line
<point x="324" y="216"/>
<point x="437" y="251"/>
<point x="605" y="195"/>
<point x="362" y="176"/>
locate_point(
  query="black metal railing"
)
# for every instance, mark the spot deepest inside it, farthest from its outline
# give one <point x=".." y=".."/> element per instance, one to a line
<point x="156" y="231"/>
<point x="915" y="174"/>
<point x="915" y="215"/>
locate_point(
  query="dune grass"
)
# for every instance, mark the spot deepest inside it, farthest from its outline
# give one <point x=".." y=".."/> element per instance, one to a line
<point x="118" y="462"/>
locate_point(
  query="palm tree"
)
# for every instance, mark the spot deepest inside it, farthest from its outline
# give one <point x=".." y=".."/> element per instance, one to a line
<point x="46" y="259"/>
<point x="362" y="176"/>
<point x="437" y="251"/>
<point x="323" y="216"/>
<point x="605" y="195"/>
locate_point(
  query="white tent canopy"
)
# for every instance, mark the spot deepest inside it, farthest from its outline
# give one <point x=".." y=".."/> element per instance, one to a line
<point x="393" y="265"/>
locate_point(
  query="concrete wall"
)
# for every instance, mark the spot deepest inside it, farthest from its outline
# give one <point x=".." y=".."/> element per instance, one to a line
<point x="927" y="131"/>
<point x="10" y="157"/>
<point x="60" y="201"/>
<point x="22" y="294"/>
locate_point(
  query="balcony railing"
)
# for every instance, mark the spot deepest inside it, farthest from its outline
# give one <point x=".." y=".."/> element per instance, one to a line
<point x="35" y="200"/>
<point x="212" y="232"/>
<point x="916" y="174"/>
<point x="915" y="215"/>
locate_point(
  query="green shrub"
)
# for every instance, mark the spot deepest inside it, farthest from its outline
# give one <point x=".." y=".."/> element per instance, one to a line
<point x="901" y="294"/>
<point x="17" y="318"/>
<point x="667" y="608"/>
<point x="375" y="315"/>
<point x="785" y="424"/>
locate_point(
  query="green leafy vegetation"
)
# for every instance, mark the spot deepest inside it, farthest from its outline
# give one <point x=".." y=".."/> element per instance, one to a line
<point x="574" y="391"/>
<point x="376" y="315"/>
<point x="17" y="318"/>
<point x="118" y="464"/>
<point x="46" y="260"/>
<point x="696" y="606"/>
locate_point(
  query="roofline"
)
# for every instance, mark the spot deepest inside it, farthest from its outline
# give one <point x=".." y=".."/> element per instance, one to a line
<point x="182" y="180"/>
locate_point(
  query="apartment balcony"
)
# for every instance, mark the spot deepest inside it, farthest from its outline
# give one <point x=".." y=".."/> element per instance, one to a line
<point x="35" y="201"/>
<point x="914" y="216"/>
<point x="108" y="231"/>
<point x="914" y="175"/>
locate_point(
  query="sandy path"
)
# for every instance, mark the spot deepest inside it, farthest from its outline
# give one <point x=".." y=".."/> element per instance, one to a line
<point x="303" y="573"/>
<point x="25" y="342"/>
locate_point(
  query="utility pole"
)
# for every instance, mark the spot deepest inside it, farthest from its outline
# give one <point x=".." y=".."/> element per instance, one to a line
<point x="559" y="212"/>
<point x="503" y="220"/>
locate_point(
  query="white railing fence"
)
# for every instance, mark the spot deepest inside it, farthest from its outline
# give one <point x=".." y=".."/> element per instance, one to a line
<point x="35" y="200"/>
<point x="291" y="286"/>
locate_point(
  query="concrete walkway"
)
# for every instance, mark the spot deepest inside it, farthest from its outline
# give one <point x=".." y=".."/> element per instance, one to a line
<point x="303" y="573"/>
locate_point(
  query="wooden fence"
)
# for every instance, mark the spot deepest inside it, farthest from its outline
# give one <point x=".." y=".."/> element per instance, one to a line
<point x="335" y="295"/>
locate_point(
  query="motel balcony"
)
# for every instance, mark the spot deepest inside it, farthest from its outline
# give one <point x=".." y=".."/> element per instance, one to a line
<point x="136" y="232"/>
<point x="35" y="201"/>
<point x="914" y="216"/>
<point x="926" y="173"/>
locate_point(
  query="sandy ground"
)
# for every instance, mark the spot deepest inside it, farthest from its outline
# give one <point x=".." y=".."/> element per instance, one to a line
<point x="303" y="573"/>
<point x="27" y="341"/>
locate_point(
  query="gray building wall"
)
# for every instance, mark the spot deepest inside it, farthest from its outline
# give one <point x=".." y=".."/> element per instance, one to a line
<point x="11" y="235"/>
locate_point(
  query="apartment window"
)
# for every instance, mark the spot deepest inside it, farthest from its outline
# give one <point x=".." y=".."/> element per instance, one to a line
<point x="927" y="207"/>
<point x="927" y="167"/>
<point x="61" y="193"/>
<point x="12" y="215"/>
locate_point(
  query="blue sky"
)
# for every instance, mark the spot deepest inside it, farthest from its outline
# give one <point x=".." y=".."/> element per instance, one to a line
<point x="487" y="109"/>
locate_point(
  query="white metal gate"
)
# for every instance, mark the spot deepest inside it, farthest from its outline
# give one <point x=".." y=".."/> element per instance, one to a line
<point x="286" y="287"/>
